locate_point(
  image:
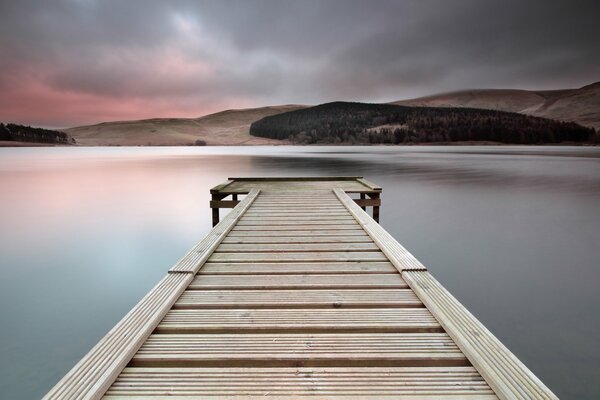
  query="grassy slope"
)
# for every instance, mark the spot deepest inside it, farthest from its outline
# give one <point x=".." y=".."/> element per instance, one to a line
<point x="229" y="127"/>
<point x="577" y="105"/>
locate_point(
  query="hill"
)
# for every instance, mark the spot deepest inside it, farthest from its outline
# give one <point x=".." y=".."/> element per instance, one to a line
<point x="356" y="123"/>
<point x="574" y="105"/>
<point x="230" y="127"/>
<point x="19" y="135"/>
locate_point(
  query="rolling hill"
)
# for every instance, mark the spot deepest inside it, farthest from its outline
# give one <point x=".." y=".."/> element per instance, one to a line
<point x="230" y="127"/>
<point x="363" y="123"/>
<point x="575" y="105"/>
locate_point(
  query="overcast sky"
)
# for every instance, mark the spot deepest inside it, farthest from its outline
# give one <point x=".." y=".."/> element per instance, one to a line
<point x="73" y="62"/>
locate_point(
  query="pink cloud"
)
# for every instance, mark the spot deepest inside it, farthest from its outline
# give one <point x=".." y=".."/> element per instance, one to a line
<point x="170" y="85"/>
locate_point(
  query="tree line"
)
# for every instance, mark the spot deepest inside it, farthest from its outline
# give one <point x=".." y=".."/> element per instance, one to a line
<point x="22" y="133"/>
<point x="360" y="123"/>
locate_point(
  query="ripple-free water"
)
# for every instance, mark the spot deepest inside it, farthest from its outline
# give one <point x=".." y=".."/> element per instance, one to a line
<point x="512" y="232"/>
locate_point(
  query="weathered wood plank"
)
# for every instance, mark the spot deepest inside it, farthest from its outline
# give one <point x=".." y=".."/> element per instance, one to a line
<point x="295" y="179"/>
<point x="295" y="232"/>
<point x="303" y="227"/>
<point x="369" y="184"/>
<point x="294" y="247"/>
<point x="398" y="255"/>
<point x="367" y="202"/>
<point x="508" y="377"/>
<point x="298" y="268"/>
<point x="299" y="320"/>
<point x="222" y="186"/>
<point x="332" y="219"/>
<point x="297" y="239"/>
<point x="97" y="370"/>
<point x="193" y="260"/>
<point x="299" y="349"/>
<point x="294" y="222"/>
<point x="304" y="281"/>
<point x="298" y="298"/>
<point x="375" y="383"/>
<point x="223" y="203"/>
<point x="297" y="257"/>
<point x="295" y="213"/>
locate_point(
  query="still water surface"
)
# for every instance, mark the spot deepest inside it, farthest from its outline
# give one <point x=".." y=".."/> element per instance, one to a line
<point x="512" y="232"/>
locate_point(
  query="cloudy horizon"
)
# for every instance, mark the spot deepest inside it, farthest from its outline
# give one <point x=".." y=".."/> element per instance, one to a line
<point x="75" y="62"/>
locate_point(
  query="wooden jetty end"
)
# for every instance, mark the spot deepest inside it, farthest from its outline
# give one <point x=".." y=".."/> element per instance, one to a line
<point x="296" y="293"/>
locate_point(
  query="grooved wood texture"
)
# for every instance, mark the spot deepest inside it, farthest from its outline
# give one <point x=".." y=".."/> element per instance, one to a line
<point x="296" y="294"/>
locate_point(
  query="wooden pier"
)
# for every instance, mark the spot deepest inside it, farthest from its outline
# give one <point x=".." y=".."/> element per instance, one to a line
<point x="296" y="293"/>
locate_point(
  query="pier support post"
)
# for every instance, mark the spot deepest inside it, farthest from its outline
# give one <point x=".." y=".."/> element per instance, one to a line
<point x="215" y="207"/>
<point x="376" y="207"/>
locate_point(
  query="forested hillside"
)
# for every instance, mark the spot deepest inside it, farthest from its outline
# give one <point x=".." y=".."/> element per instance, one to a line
<point x="356" y="123"/>
<point x="22" y="133"/>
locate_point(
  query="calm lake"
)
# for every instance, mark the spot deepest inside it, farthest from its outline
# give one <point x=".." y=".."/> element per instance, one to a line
<point x="512" y="232"/>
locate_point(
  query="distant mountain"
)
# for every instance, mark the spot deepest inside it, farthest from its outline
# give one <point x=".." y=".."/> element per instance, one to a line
<point x="576" y="105"/>
<point x="230" y="127"/>
<point x="14" y="134"/>
<point x="360" y="123"/>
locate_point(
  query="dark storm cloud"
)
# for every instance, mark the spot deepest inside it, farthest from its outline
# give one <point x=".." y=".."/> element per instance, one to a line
<point x="76" y="61"/>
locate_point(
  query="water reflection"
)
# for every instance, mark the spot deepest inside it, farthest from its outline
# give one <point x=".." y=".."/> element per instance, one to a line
<point x="512" y="232"/>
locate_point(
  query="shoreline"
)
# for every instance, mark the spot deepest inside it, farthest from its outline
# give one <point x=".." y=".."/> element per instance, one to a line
<point x="449" y="144"/>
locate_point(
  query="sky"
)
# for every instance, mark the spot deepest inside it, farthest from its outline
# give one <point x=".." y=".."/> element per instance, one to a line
<point x="76" y="62"/>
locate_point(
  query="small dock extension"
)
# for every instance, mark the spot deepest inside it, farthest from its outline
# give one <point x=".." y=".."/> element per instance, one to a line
<point x="299" y="293"/>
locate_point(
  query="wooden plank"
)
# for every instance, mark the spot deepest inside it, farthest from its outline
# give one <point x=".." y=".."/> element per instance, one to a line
<point x="299" y="320"/>
<point x="293" y="213"/>
<point x="299" y="198"/>
<point x="193" y="260"/>
<point x="98" y="369"/>
<point x="299" y="350"/>
<point x="297" y="239"/>
<point x="297" y="187"/>
<point x="298" y="268"/>
<point x="298" y="204"/>
<point x="298" y="210"/>
<point x="367" y="202"/>
<point x="374" y="383"/>
<point x="303" y="281"/>
<point x="291" y="222"/>
<point x="307" y="216"/>
<point x="398" y="255"/>
<point x="221" y="186"/>
<point x="298" y="298"/>
<point x="294" y="247"/>
<point x="297" y="257"/>
<point x="508" y="377"/>
<point x="333" y="219"/>
<point x="369" y="184"/>
<point x="295" y="232"/>
<point x="223" y="203"/>
<point x="303" y="227"/>
<point x="295" y="178"/>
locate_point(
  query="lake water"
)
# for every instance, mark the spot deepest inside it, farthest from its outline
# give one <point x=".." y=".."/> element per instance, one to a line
<point x="512" y="232"/>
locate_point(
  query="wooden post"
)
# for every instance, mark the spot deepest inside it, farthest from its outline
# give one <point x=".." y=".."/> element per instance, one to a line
<point x="215" y="216"/>
<point x="215" y="210"/>
<point x="363" y="197"/>
<point x="375" y="208"/>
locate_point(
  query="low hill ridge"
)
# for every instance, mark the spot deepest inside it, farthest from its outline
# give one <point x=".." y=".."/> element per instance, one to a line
<point x="574" y="105"/>
<point x="229" y="127"/>
<point x="363" y="123"/>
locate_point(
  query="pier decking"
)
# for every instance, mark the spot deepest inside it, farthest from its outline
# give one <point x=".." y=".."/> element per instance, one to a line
<point x="296" y="293"/>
